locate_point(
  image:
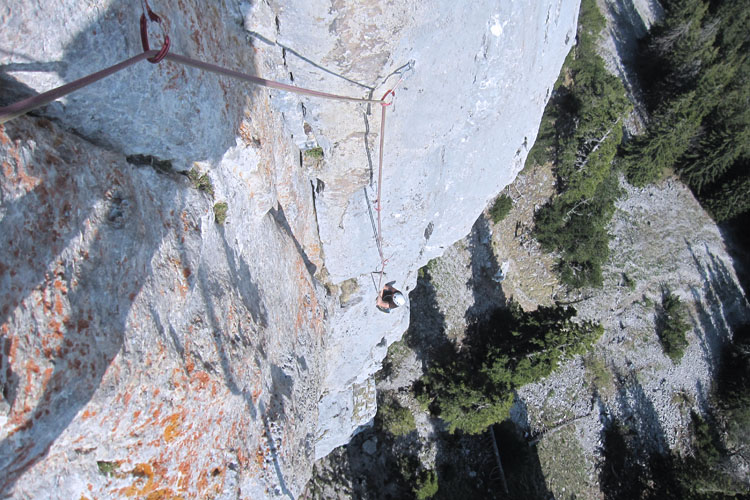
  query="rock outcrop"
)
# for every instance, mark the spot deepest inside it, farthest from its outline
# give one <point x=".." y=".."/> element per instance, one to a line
<point x="147" y="349"/>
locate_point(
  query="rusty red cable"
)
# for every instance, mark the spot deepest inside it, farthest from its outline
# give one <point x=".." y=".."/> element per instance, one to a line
<point x="25" y="105"/>
<point x="379" y="206"/>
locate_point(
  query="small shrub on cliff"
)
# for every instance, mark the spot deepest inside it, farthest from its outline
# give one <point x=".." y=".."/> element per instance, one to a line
<point x="394" y="418"/>
<point x="314" y="153"/>
<point x="501" y="208"/>
<point x="201" y="182"/>
<point x="628" y="282"/>
<point x="220" y="212"/>
<point x="107" y="468"/>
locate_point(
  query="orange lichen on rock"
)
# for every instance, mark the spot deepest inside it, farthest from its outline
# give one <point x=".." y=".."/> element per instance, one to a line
<point x="162" y="494"/>
<point x="31" y="368"/>
<point x="143" y="470"/>
<point x="200" y="380"/>
<point x="242" y="458"/>
<point x="246" y="133"/>
<point x="46" y="376"/>
<point x="178" y="378"/>
<point x="58" y="305"/>
<point x="21" y="177"/>
<point x="171" y="431"/>
<point x="59" y="285"/>
<point x="144" y="485"/>
<point x="202" y="483"/>
<point x="257" y="390"/>
<point x="185" y="474"/>
<point x="7" y="169"/>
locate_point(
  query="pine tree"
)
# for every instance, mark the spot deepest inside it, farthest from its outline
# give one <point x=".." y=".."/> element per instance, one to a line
<point x="730" y="199"/>
<point x="474" y="389"/>
<point x="588" y="110"/>
<point x="696" y="79"/>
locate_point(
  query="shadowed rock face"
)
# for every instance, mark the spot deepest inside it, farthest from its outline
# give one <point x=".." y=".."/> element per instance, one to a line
<point x="146" y="349"/>
<point x="140" y="333"/>
<point x="168" y="111"/>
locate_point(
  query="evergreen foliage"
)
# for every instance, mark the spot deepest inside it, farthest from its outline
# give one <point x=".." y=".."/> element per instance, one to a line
<point x="579" y="233"/>
<point x="729" y="199"/>
<point x="473" y="389"/>
<point x="703" y="475"/>
<point x="426" y="485"/>
<point x="694" y="70"/>
<point x="672" y="326"/>
<point x="501" y="208"/>
<point x="708" y="471"/>
<point x="734" y="390"/>
<point x="394" y="418"/>
<point x="581" y="132"/>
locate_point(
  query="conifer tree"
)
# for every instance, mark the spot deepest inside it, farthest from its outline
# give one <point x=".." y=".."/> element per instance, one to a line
<point x="730" y="199"/>
<point x="695" y="75"/>
<point x="473" y="389"/>
<point x="584" y="124"/>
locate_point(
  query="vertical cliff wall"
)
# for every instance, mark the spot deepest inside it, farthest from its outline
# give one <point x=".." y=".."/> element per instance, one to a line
<point x="458" y="131"/>
<point x="147" y="349"/>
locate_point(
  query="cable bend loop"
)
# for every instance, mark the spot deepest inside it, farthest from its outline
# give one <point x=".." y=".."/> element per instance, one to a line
<point x="144" y="37"/>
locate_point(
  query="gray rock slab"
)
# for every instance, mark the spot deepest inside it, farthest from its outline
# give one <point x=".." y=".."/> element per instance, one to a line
<point x="185" y="335"/>
<point x="458" y="131"/>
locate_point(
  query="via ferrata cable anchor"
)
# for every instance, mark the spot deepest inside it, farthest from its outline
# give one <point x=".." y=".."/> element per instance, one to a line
<point x="153" y="17"/>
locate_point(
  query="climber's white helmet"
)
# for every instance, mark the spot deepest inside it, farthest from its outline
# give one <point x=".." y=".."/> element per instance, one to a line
<point x="398" y="299"/>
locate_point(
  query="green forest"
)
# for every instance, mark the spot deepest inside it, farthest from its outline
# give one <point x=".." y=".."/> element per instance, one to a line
<point x="474" y="388"/>
<point x="705" y="472"/>
<point x="693" y="67"/>
<point x="581" y="131"/>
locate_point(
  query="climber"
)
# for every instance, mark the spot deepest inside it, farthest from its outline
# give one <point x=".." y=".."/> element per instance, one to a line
<point x="389" y="298"/>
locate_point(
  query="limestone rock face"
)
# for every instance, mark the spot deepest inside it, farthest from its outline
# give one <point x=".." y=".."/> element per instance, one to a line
<point x="457" y="132"/>
<point x="148" y="349"/>
<point x="138" y="332"/>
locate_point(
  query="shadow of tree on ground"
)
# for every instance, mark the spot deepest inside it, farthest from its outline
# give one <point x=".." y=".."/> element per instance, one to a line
<point x="636" y="459"/>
